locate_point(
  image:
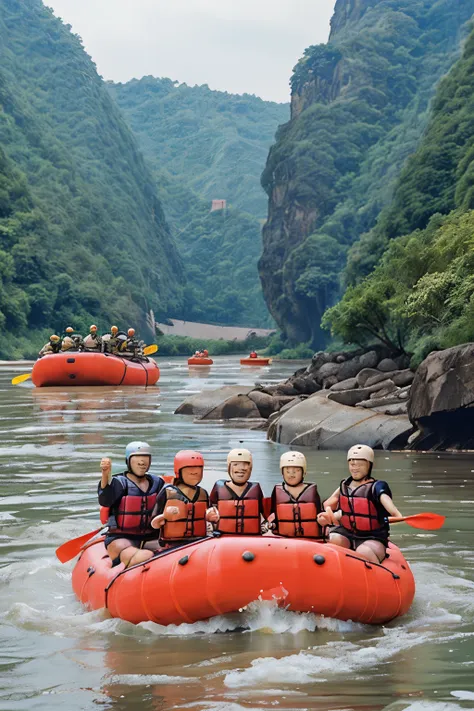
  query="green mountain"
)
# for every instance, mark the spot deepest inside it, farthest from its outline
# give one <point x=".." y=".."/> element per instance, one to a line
<point x="82" y="234"/>
<point x="420" y="296"/>
<point x="360" y="105"/>
<point x="215" y="141"/>
<point x="205" y="145"/>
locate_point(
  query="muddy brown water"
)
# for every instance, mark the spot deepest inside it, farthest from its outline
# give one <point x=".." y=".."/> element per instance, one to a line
<point x="56" y="655"/>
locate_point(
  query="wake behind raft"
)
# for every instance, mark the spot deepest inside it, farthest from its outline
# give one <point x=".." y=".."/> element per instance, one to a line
<point x="221" y="575"/>
<point x="93" y="369"/>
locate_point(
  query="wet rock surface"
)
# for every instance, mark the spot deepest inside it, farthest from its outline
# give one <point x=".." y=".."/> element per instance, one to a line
<point x="441" y="405"/>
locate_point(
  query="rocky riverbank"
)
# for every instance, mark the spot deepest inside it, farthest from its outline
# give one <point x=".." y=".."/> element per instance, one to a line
<point x="365" y="397"/>
<point x="337" y="399"/>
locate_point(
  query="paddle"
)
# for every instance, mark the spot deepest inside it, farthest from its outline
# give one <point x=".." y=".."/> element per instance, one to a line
<point x="70" y="549"/>
<point x="428" y="521"/>
<point x="21" y="378"/>
<point x="149" y="350"/>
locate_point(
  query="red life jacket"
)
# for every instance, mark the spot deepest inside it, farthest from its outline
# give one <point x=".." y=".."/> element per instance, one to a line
<point x="238" y="515"/>
<point x="134" y="511"/>
<point x="359" y="510"/>
<point x="190" y="521"/>
<point x="297" y="517"/>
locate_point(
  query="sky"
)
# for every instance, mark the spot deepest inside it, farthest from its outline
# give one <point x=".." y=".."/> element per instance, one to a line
<point x="232" y="45"/>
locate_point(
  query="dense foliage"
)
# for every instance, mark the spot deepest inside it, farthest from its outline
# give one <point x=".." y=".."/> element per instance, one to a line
<point x="82" y="234"/>
<point x="205" y="144"/>
<point x="360" y="105"/>
<point x="220" y="251"/>
<point x="216" y="142"/>
<point x="420" y="296"/>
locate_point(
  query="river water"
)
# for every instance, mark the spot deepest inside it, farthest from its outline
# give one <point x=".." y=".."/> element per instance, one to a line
<point x="56" y="655"/>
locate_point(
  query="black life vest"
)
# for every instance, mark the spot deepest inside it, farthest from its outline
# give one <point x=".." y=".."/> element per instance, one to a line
<point x="134" y="511"/>
<point x="360" y="511"/>
<point x="239" y="515"/>
<point x="296" y="517"/>
<point x="190" y="521"/>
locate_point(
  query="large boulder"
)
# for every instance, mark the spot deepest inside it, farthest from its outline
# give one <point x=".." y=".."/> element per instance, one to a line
<point x="349" y="384"/>
<point x="327" y="371"/>
<point x="403" y="377"/>
<point x="387" y="365"/>
<point x="349" y="369"/>
<point x="236" y="407"/>
<point x="442" y="399"/>
<point x="205" y="401"/>
<point x="369" y="359"/>
<point x="325" y="424"/>
<point x="365" y="375"/>
<point x="266" y="404"/>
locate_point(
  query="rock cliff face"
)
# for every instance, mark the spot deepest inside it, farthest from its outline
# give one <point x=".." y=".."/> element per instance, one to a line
<point x="359" y="107"/>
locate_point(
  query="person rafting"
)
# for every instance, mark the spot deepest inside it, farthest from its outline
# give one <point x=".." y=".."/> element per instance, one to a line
<point x="92" y="342"/>
<point x="295" y="504"/>
<point x="71" y="341"/>
<point x="253" y="354"/>
<point x="52" y="346"/>
<point x="362" y="505"/>
<point x="238" y="501"/>
<point x="131" y="347"/>
<point x="182" y="508"/>
<point x="130" y="500"/>
<point x="110" y="341"/>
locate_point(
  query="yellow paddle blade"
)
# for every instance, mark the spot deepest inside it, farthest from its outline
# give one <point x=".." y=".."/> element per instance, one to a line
<point x="21" y="378"/>
<point x="149" y="350"/>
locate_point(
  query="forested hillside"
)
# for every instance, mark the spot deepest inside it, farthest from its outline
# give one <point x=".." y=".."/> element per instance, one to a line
<point x="83" y="236"/>
<point x="202" y="145"/>
<point x="420" y="296"/>
<point x="360" y="105"/>
<point x="216" y="142"/>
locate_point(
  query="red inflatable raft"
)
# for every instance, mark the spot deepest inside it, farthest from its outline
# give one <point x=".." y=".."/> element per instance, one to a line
<point x="93" y="369"/>
<point x="216" y="576"/>
<point x="255" y="361"/>
<point x="195" y="360"/>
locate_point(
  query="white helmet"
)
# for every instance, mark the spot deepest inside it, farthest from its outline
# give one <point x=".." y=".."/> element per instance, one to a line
<point x="293" y="459"/>
<point x="239" y="455"/>
<point x="361" y="451"/>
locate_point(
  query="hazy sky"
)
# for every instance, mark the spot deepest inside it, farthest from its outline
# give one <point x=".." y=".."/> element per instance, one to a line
<point x="233" y="45"/>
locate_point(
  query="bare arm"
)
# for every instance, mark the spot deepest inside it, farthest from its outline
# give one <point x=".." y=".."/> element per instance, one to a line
<point x="389" y="506"/>
<point x="333" y="501"/>
<point x="106" y="470"/>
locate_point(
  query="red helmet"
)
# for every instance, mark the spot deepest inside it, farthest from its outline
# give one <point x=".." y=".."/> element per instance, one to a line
<point x="187" y="458"/>
<point x="131" y="332"/>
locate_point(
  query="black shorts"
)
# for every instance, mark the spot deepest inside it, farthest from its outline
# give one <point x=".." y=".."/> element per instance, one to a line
<point x="355" y="541"/>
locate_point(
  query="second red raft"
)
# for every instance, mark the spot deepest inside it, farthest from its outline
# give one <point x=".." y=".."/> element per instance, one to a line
<point x="79" y="368"/>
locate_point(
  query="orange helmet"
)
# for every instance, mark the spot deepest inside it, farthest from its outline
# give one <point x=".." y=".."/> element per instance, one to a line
<point x="54" y="338"/>
<point x="93" y="328"/>
<point x="131" y="332"/>
<point x="206" y="352"/>
<point x="187" y="458"/>
<point x="69" y="329"/>
<point x="114" y="329"/>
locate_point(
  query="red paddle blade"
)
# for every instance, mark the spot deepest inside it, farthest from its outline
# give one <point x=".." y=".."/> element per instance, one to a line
<point x="428" y="521"/>
<point x="70" y="549"/>
<point x="267" y="506"/>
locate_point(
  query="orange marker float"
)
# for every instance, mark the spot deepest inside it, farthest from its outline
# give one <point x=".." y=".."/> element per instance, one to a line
<point x="220" y="575"/>
<point x="93" y="369"/>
